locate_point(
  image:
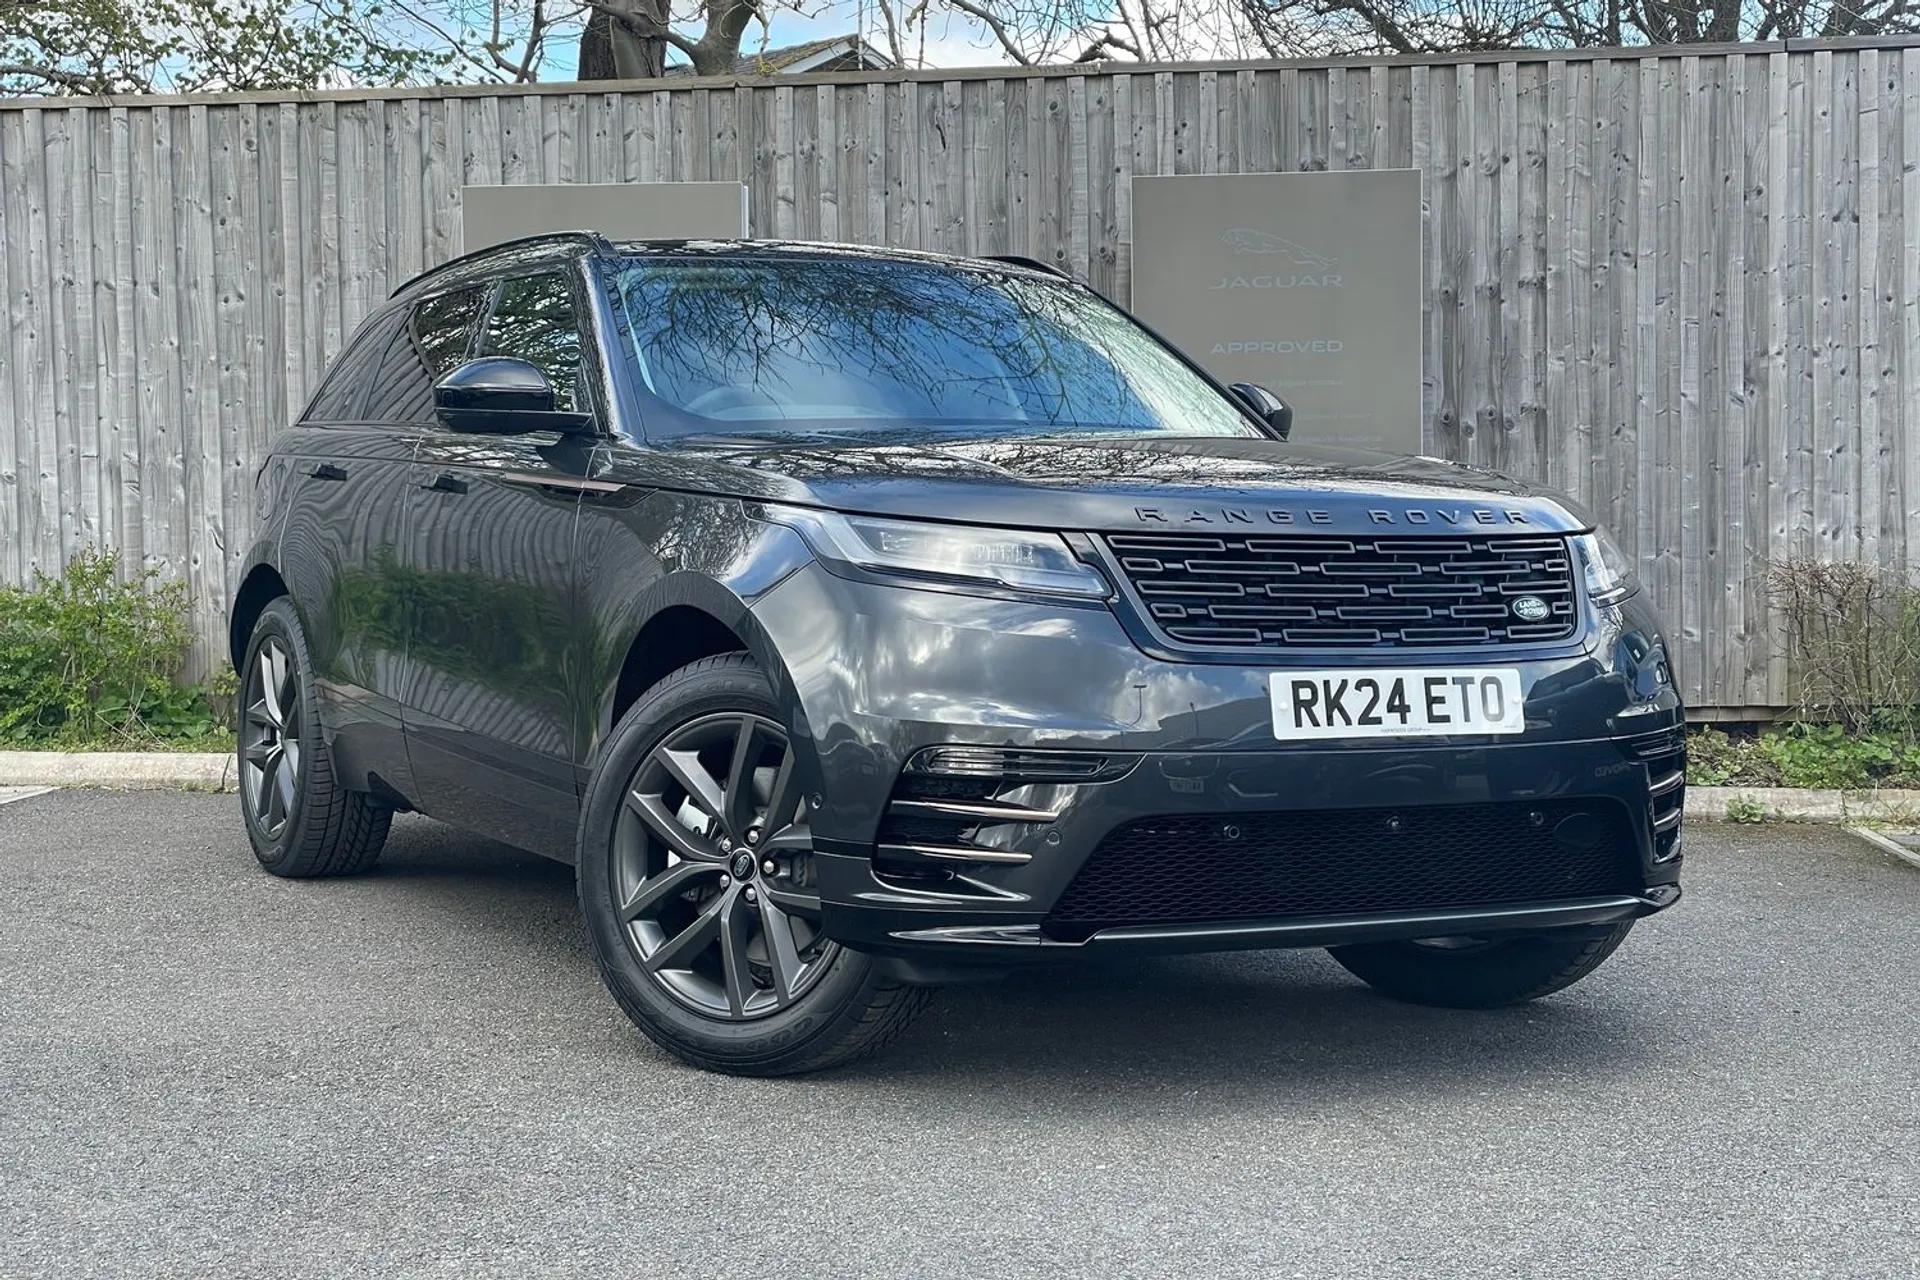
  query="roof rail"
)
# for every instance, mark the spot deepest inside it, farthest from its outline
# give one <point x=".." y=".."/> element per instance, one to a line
<point x="593" y="240"/>
<point x="1032" y="264"/>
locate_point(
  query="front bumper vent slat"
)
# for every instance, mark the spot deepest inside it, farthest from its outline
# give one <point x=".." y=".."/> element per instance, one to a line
<point x="937" y="853"/>
<point x="971" y="811"/>
<point x="1349" y="593"/>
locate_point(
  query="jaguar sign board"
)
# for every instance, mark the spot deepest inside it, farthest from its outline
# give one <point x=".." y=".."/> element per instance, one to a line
<point x="619" y="210"/>
<point x="1306" y="283"/>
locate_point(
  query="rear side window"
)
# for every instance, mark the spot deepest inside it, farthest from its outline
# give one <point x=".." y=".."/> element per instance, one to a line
<point x="533" y="320"/>
<point x="436" y="338"/>
<point x="344" y="390"/>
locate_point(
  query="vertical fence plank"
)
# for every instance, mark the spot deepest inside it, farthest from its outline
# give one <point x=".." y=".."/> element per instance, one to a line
<point x="1121" y="166"/>
<point x="118" y="396"/>
<point x="1907" y="372"/>
<point x="1871" y="513"/>
<point x="1748" y="448"/>
<point x="825" y="164"/>
<point x="84" y="508"/>
<point x="1103" y="195"/>
<point x="1881" y="298"/>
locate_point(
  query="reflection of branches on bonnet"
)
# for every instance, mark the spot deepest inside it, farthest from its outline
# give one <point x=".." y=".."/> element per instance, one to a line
<point x="1020" y="348"/>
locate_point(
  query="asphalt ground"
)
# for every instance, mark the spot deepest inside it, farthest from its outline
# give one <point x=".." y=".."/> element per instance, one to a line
<point x="204" y="1070"/>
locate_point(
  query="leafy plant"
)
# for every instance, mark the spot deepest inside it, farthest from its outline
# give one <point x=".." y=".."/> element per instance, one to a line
<point x="1827" y="756"/>
<point x="1716" y="759"/>
<point x="1803" y="755"/>
<point x="90" y="659"/>
<point x="108" y="46"/>
<point x="1746" y="809"/>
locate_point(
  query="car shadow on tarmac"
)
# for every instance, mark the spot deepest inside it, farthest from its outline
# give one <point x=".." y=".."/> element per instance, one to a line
<point x="1127" y="1023"/>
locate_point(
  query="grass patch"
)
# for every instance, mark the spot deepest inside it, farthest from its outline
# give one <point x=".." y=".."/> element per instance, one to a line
<point x="92" y="661"/>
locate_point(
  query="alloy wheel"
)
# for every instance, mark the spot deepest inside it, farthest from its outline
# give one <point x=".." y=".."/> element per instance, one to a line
<point x="713" y="870"/>
<point x="270" y="738"/>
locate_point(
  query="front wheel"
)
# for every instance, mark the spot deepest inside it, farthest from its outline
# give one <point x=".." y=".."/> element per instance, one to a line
<point x="697" y="883"/>
<point x="1480" y="973"/>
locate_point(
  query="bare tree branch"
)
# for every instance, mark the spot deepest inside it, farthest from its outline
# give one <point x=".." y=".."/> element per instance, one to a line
<point x="997" y="27"/>
<point x="51" y="75"/>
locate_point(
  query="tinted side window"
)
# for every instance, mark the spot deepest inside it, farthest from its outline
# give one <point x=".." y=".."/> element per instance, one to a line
<point x="343" y="390"/>
<point x="436" y="337"/>
<point x="533" y="320"/>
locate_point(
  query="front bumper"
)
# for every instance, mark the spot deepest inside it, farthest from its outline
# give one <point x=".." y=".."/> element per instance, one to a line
<point x="874" y="674"/>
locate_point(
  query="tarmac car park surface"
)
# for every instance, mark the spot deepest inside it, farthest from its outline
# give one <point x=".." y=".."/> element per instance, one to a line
<point x="417" y="1071"/>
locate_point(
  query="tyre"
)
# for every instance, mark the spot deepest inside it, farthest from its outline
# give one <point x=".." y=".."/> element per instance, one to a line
<point x="1480" y="973"/>
<point x="697" y="883"/>
<point x="301" y="822"/>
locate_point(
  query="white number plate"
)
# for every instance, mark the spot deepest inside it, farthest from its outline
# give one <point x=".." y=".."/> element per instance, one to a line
<point x="1406" y="702"/>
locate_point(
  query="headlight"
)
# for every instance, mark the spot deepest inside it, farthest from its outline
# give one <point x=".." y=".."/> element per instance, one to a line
<point x="953" y="556"/>
<point x="1609" y="574"/>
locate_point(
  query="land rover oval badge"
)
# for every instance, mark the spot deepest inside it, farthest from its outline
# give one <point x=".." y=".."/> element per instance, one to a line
<point x="1531" y="609"/>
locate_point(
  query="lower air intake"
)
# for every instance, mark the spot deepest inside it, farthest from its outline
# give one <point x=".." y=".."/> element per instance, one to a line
<point x="1228" y="868"/>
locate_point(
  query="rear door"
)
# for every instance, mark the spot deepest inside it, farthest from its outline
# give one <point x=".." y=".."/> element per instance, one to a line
<point x="345" y="527"/>
<point x="492" y="559"/>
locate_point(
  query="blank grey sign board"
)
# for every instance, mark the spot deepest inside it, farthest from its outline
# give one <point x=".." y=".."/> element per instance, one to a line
<point x="1306" y="283"/>
<point x="618" y="210"/>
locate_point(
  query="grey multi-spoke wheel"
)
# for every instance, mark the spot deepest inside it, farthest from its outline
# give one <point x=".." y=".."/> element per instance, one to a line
<point x="713" y="869"/>
<point x="697" y="882"/>
<point x="270" y="737"/>
<point x="300" y="822"/>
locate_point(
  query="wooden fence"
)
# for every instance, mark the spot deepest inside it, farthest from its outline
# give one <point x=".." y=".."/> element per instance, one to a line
<point x="1684" y="287"/>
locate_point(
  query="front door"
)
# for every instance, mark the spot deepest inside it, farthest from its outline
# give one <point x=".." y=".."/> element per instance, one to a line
<point x="491" y="559"/>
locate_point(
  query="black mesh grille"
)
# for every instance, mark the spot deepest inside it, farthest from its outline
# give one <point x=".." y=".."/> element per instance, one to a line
<point x="1263" y="590"/>
<point x="1225" y="867"/>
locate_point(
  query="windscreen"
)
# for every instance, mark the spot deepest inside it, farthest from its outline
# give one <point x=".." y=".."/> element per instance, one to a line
<point x="746" y="346"/>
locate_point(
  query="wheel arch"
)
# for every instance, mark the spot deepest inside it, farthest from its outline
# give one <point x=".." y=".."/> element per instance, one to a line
<point x="686" y="617"/>
<point x="261" y="586"/>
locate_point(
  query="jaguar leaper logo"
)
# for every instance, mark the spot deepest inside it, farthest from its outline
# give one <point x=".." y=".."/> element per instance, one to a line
<point x="1247" y="240"/>
<point x="1531" y="609"/>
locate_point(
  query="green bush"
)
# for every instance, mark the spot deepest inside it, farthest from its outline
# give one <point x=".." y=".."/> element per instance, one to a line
<point x="1803" y="755"/>
<point x="87" y="659"/>
<point x="1826" y="755"/>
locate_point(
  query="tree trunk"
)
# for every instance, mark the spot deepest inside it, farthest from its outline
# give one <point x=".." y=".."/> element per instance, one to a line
<point x="613" y="49"/>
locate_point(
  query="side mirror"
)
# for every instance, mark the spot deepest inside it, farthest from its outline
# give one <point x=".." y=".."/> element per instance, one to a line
<point x="501" y="396"/>
<point x="1274" y="411"/>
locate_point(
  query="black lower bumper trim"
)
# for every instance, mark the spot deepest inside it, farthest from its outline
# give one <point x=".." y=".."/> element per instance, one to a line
<point x="1320" y="931"/>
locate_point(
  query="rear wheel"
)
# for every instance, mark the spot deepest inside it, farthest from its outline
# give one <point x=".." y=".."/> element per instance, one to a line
<point x="1480" y="973"/>
<point x="697" y="883"/>
<point x="300" y="822"/>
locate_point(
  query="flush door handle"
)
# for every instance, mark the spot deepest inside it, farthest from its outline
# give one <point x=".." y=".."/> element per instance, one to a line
<point x="447" y="482"/>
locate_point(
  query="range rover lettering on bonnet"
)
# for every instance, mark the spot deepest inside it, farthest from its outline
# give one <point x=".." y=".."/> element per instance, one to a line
<point x="1445" y="517"/>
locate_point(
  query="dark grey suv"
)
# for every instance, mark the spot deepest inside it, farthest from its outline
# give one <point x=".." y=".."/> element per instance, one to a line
<point x="860" y="621"/>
